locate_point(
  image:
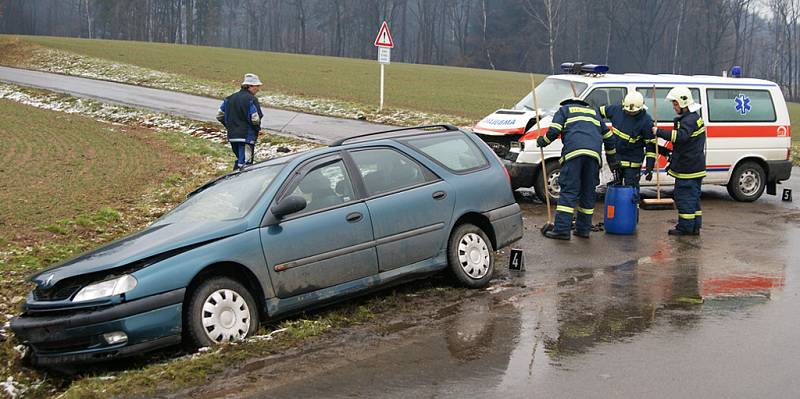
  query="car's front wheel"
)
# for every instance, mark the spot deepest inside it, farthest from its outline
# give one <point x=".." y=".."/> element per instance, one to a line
<point x="471" y="256"/>
<point x="220" y="310"/>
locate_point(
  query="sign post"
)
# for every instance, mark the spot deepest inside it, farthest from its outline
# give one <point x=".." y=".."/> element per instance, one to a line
<point x="384" y="44"/>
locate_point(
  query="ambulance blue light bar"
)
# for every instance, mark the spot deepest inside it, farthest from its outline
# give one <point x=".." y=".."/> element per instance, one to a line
<point x="736" y="71"/>
<point x="581" y="68"/>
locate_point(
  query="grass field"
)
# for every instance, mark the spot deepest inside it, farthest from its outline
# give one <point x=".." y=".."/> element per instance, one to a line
<point x="57" y="165"/>
<point x="465" y="92"/>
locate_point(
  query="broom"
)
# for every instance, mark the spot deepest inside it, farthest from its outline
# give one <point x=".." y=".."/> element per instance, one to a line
<point x="658" y="203"/>
<point x="549" y="225"/>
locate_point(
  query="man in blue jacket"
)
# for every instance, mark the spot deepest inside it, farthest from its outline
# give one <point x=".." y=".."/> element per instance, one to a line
<point x="241" y="115"/>
<point x="687" y="164"/>
<point x="635" y="139"/>
<point x="583" y="134"/>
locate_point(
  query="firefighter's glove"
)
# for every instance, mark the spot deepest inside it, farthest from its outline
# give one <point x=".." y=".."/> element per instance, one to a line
<point x="664" y="151"/>
<point x="648" y="172"/>
<point x="540" y="142"/>
<point x="612" y="162"/>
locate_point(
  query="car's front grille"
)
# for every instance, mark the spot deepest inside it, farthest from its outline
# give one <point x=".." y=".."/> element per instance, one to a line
<point x="59" y="292"/>
<point x="69" y="345"/>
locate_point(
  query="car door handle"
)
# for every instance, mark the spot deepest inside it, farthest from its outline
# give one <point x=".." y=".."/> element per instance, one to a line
<point x="439" y="195"/>
<point x="354" y="217"/>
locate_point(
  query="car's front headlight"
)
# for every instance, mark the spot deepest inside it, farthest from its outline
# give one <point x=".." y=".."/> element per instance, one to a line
<point x="116" y="286"/>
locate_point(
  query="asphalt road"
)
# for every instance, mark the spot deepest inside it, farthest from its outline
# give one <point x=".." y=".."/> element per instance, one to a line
<point x="641" y="316"/>
<point x="322" y="128"/>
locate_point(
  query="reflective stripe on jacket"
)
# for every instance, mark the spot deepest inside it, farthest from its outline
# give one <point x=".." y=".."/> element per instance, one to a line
<point x="688" y="137"/>
<point x="582" y="131"/>
<point x="635" y="139"/>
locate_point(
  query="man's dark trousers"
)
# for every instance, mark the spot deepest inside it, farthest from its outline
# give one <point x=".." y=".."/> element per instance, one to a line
<point x="687" y="199"/>
<point x="578" y="179"/>
<point x="630" y="177"/>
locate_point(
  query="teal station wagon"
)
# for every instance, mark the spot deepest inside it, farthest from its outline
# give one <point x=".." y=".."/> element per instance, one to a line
<point x="279" y="237"/>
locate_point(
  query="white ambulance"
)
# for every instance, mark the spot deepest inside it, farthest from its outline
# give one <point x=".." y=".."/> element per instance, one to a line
<point x="747" y="123"/>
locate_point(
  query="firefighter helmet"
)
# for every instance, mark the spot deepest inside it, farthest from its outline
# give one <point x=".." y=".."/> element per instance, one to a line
<point x="682" y="95"/>
<point x="633" y="102"/>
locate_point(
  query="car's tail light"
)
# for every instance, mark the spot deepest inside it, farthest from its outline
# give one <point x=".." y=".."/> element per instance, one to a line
<point x="508" y="176"/>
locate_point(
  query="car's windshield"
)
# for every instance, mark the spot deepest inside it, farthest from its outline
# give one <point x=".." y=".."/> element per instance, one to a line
<point x="230" y="197"/>
<point x="549" y="94"/>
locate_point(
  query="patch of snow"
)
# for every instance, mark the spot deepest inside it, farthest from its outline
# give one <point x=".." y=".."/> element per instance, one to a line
<point x="11" y="388"/>
<point x="267" y="337"/>
<point x="117" y="114"/>
<point x="59" y="61"/>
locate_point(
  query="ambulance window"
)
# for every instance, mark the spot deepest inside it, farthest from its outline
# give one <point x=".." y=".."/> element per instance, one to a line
<point x="606" y="96"/>
<point x="734" y="105"/>
<point x="665" y="111"/>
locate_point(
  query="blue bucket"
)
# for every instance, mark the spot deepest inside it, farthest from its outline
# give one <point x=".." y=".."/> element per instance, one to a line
<point x="621" y="210"/>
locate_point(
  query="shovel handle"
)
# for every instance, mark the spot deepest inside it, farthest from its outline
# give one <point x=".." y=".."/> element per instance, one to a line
<point x="541" y="152"/>
<point x="658" y="158"/>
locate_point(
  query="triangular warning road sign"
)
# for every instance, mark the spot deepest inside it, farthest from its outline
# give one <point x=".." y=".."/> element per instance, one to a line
<point x="384" y="38"/>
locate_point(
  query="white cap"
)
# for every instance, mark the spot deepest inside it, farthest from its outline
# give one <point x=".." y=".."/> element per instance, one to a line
<point x="251" y="79"/>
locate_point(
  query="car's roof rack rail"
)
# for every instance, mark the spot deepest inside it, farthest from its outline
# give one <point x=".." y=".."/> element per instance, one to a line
<point x="446" y="128"/>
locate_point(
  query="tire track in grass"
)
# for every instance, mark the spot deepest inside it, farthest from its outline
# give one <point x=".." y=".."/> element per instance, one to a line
<point x="61" y="166"/>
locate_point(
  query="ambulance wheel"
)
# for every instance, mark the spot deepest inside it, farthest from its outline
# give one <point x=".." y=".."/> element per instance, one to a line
<point x="470" y="256"/>
<point x="553" y="171"/>
<point x="747" y="182"/>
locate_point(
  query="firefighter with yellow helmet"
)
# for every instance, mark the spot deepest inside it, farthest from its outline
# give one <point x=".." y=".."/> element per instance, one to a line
<point x="687" y="164"/>
<point x="635" y="140"/>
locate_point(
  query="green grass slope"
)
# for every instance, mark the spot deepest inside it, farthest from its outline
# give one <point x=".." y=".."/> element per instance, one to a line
<point x="465" y="92"/>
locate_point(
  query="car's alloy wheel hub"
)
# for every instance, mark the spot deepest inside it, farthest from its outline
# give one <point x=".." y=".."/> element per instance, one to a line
<point x="749" y="182"/>
<point x="226" y="316"/>
<point x="473" y="255"/>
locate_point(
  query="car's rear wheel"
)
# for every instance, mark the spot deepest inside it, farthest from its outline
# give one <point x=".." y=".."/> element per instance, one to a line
<point x="747" y="182"/>
<point x="470" y="256"/>
<point x="553" y="171"/>
<point x="220" y="310"/>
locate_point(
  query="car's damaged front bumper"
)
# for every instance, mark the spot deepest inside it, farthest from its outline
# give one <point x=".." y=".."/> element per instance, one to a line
<point x="66" y="336"/>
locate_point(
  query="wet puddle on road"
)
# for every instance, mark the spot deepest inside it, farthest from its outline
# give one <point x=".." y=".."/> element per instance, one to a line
<point x="701" y="317"/>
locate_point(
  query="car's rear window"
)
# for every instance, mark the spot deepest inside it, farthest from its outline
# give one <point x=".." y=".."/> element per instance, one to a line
<point x="452" y="150"/>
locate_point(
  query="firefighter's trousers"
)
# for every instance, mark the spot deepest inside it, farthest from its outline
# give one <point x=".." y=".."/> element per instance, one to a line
<point x="687" y="199"/>
<point x="578" y="179"/>
<point x="630" y="177"/>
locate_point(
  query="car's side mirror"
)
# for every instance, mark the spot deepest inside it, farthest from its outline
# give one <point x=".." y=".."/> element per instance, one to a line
<point x="288" y="206"/>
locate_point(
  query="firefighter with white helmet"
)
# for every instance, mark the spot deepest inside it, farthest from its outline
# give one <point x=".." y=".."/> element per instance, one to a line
<point x="687" y="164"/>
<point x="635" y="139"/>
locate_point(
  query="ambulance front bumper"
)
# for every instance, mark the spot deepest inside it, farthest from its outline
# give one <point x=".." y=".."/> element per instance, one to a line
<point x="521" y="174"/>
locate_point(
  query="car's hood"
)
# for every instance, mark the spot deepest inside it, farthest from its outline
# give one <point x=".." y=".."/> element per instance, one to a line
<point x="153" y="241"/>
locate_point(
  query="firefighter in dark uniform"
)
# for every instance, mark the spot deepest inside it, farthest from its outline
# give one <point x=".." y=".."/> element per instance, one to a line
<point x="583" y="133"/>
<point x="635" y="139"/>
<point x="241" y="115"/>
<point x="687" y="164"/>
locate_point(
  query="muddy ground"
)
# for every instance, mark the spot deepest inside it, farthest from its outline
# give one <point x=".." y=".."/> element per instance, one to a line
<point x="615" y="316"/>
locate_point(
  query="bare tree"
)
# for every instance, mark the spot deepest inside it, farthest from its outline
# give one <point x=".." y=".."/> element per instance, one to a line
<point x="485" y="23"/>
<point x="548" y="15"/>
